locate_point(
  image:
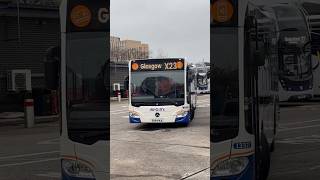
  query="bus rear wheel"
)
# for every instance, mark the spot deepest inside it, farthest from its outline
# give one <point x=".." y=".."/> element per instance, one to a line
<point x="264" y="159"/>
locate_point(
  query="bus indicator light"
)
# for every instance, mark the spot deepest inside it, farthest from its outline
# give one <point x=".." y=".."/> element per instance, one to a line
<point x="222" y="11"/>
<point x="135" y="66"/>
<point x="179" y="65"/>
<point x="80" y="16"/>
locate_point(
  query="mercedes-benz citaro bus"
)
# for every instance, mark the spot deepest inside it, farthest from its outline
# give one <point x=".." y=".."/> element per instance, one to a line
<point x="85" y="98"/>
<point x="203" y="81"/>
<point x="161" y="91"/>
<point x="244" y="102"/>
<point x="295" y="59"/>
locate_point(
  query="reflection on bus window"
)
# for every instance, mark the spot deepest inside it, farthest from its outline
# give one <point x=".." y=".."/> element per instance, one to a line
<point x="87" y="87"/>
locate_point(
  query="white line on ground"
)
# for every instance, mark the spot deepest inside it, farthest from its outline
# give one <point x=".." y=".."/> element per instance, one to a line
<point x="286" y="172"/>
<point x="300" y="122"/>
<point x="115" y="111"/>
<point x="27" y="155"/>
<point x="298" y="128"/>
<point x="203" y="105"/>
<point x="50" y="175"/>
<point x="28" y="162"/>
<point x="50" y="141"/>
<point x="301" y="139"/>
<point x="314" y="167"/>
<point x="123" y="111"/>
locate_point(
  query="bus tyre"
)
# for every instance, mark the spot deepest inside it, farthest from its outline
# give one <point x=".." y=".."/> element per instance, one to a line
<point x="275" y="119"/>
<point x="185" y="124"/>
<point x="272" y="146"/>
<point x="192" y="114"/>
<point x="264" y="161"/>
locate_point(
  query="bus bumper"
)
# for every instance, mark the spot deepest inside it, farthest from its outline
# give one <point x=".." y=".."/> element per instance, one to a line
<point x="246" y="174"/>
<point x="183" y="120"/>
<point x="66" y="177"/>
<point x="179" y="120"/>
<point x="134" y="120"/>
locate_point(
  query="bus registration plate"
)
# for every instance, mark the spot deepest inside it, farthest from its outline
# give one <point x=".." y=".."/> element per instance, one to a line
<point x="157" y="120"/>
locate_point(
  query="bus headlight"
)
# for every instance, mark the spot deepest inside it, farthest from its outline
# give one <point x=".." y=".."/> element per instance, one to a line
<point x="77" y="168"/>
<point x="186" y="107"/>
<point x="230" y="167"/>
<point x="182" y="113"/>
<point x="134" y="114"/>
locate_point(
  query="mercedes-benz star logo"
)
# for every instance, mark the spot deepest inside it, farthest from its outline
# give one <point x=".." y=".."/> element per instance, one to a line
<point x="157" y="114"/>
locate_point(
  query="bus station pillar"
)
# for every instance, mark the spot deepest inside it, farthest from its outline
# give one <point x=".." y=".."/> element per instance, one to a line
<point x="116" y="88"/>
<point x="119" y="95"/>
<point x="29" y="110"/>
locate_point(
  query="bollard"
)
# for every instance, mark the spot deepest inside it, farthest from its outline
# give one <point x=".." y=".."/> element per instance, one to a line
<point x="54" y="102"/>
<point x="29" y="111"/>
<point x="119" y="96"/>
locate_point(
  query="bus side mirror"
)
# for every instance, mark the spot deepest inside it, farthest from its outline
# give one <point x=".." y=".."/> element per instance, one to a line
<point x="259" y="59"/>
<point x="52" y="68"/>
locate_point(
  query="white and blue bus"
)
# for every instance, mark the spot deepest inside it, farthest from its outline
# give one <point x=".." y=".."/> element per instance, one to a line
<point x="84" y="85"/>
<point x="161" y="91"/>
<point x="295" y="58"/>
<point x="244" y="102"/>
<point x="203" y="80"/>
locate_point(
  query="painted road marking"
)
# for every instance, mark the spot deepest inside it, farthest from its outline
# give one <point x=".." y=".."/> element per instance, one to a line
<point x="120" y="113"/>
<point x="29" y="162"/>
<point x="50" y="141"/>
<point x="301" y="140"/>
<point x="50" y="175"/>
<point x="28" y="155"/>
<point x="188" y="150"/>
<point x="203" y="105"/>
<point x="286" y="172"/>
<point x="119" y="110"/>
<point x="300" y="122"/>
<point x="283" y="129"/>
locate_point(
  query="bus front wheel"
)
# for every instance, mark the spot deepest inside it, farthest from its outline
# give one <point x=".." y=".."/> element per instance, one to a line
<point x="272" y="146"/>
<point x="192" y="114"/>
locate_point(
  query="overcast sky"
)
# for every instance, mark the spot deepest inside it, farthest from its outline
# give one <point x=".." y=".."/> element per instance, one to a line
<point x="177" y="28"/>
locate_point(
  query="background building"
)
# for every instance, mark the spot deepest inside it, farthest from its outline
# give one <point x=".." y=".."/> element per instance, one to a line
<point x="27" y="30"/>
<point x="125" y="50"/>
<point x="121" y="51"/>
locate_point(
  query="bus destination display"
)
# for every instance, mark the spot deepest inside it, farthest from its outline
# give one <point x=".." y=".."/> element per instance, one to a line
<point x="157" y="65"/>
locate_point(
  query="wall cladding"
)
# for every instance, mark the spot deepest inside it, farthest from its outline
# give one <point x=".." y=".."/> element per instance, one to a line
<point x="27" y="50"/>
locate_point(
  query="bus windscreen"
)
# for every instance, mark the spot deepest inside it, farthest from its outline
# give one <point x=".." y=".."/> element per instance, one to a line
<point x="157" y="87"/>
